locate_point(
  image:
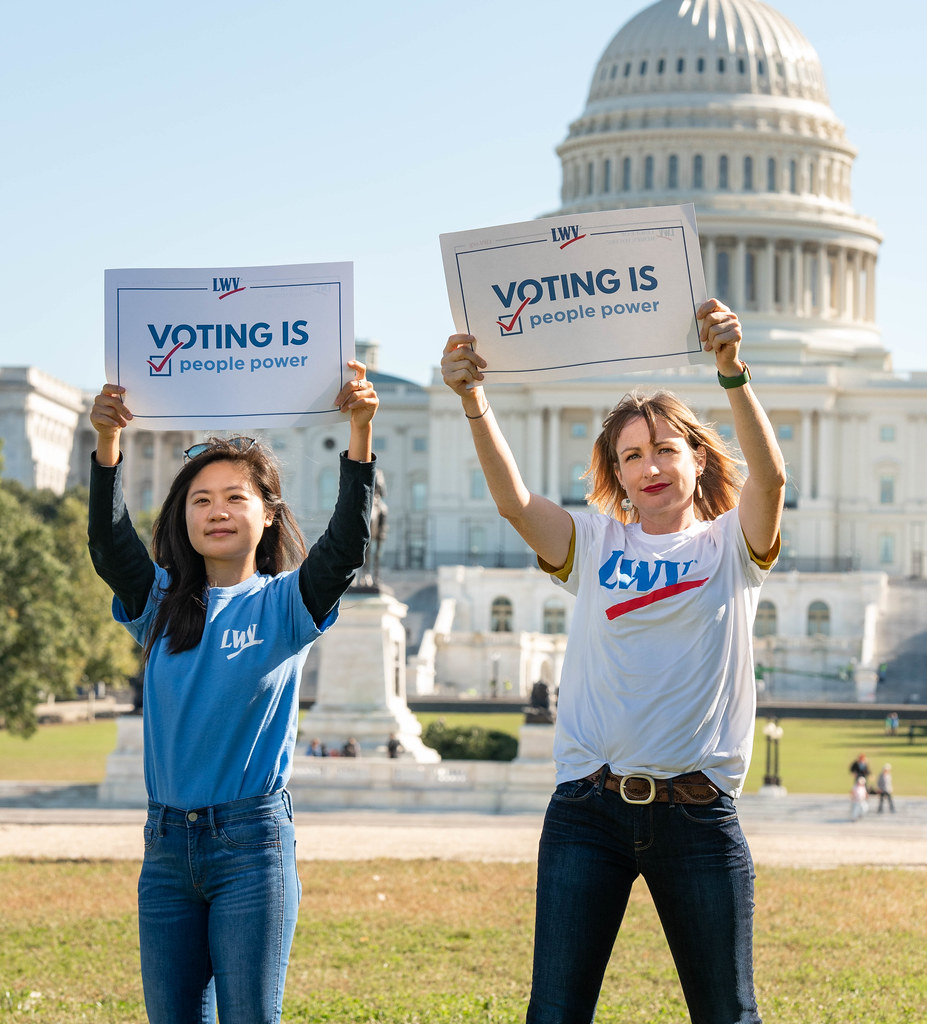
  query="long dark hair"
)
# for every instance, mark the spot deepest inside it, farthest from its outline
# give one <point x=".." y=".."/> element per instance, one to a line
<point x="181" y="614"/>
<point x="720" y="481"/>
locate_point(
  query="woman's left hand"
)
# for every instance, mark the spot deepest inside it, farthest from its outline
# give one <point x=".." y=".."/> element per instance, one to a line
<point x="720" y="332"/>
<point x="358" y="396"/>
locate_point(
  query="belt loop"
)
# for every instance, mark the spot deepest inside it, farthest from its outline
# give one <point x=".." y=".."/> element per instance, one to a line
<point x="669" y="792"/>
<point x="159" y="827"/>
<point x="212" y="821"/>
<point x="603" y="778"/>
<point x="288" y="803"/>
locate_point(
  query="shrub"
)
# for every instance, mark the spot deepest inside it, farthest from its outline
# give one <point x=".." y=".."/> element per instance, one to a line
<point x="470" y="743"/>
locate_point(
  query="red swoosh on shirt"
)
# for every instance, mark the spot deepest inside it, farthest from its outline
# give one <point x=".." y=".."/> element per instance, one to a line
<point x="655" y="595"/>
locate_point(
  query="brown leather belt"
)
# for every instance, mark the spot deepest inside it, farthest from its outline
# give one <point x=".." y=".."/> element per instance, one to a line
<point x="692" y="788"/>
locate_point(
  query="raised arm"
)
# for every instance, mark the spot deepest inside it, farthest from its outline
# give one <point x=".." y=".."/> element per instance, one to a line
<point x="763" y="493"/>
<point x="545" y="526"/>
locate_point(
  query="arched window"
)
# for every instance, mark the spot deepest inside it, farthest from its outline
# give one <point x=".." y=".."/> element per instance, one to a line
<point x="648" y="173"/>
<point x="771" y="174"/>
<point x="554" y="617"/>
<point x="723" y="175"/>
<point x="501" y="615"/>
<point x="698" y="171"/>
<point x="818" y="619"/>
<point x="748" y="174"/>
<point x="793" y="177"/>
<point x="672" y="172"/>
<point x="765" y="622"/>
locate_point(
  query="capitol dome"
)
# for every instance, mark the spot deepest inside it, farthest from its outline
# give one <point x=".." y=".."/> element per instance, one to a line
<point x="723" y="103"/>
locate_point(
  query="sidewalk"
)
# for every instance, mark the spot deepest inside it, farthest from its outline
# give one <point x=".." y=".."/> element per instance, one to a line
<point x="64" y="823"/>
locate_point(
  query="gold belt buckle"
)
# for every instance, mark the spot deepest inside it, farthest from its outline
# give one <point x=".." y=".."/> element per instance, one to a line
<point x="649" y="799"/>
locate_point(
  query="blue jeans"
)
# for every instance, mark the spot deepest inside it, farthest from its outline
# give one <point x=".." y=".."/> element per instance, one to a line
<point x="698" y="869"/>
<point x="217" y="903"/>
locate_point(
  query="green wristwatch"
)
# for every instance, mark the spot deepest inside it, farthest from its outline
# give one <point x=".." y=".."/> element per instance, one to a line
<point x="735" y="382"/>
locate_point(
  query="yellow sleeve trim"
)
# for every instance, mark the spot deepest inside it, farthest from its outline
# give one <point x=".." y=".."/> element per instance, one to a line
<point x="562" y="574"/>
<point x="770" y="560"/>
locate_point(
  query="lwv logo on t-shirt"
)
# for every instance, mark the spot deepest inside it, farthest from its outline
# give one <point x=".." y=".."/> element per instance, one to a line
<point x="239" y="640"/>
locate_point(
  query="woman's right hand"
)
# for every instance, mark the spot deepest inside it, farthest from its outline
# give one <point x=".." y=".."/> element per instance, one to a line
<point x="108" y="417"/>
<point x="462" y="370"/>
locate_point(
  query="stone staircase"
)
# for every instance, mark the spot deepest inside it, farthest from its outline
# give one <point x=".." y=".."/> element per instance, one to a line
<point x="901" y="643"/>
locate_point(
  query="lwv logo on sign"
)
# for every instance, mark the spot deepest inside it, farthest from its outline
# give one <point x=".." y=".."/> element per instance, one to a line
<point x="566" y="235"/>
<point x="227" y="286"/>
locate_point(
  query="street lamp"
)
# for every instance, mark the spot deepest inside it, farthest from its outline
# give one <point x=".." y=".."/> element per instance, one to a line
<point x="773" y="733"/>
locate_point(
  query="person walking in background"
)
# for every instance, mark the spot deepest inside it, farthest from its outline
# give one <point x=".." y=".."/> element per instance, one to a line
<point x="860" y="767"/>
<point x="226" y="610"/>
<point x="884" y="788"/>
<point x="657" y="698"/>
<point x="859" y="795"/>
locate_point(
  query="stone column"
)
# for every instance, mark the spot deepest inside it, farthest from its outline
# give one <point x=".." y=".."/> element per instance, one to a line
<point x="553" y="455"/>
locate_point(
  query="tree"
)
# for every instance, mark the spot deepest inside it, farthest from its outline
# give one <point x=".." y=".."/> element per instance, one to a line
<point x="56" y="630"/>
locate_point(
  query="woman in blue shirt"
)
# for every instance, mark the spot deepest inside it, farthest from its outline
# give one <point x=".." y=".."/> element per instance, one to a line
<point x="226" y="611"/>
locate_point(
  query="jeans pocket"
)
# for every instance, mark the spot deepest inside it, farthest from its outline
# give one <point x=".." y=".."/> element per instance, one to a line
<point x="151" y="834"/>
<point x="718" y="812"/>
<point x="251" y="833"/>
<point x="575" y="790"/>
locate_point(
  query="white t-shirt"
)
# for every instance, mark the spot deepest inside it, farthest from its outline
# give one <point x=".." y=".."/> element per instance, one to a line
<point x="658" y="673"/>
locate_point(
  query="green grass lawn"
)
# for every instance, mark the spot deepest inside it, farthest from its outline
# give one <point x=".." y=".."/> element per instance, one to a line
<point x="815" y="754"/>
<point x="429" y="942"/>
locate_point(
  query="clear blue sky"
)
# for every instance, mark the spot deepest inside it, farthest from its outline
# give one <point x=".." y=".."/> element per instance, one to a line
<point x="241" y="133"/>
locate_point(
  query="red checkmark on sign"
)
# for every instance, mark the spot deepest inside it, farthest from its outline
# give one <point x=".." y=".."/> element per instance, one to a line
<point x="511" y="324"/>
<point x="158" y="367"/>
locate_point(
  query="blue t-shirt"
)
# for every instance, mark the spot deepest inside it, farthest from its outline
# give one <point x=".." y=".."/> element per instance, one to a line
<point x="220" y="720"/>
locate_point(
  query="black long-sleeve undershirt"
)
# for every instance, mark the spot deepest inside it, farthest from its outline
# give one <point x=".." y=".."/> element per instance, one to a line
<point x="122" y="561"/>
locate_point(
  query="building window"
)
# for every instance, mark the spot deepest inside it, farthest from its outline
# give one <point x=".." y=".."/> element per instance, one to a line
<point x="721" y="65"/>
<point x="698" y="171"/>
<point x="554" y="617"/>
<point x="607" y="176"/>
<point x="700" y="65"/>
<point x="627" y="69"/>
<point x="887" y="432"/>
<point x="680" y="66"/>
<point x="723" y="275"/>
<point x="477" y="485"/>
<point x="661" y="66"/>
<point x="750" y="278"/>
<point x="420" y="444"/>
<point x="771" y="174"/>
<point x="476" y="542"/>
<point x="648" y="173"/>
<point x="577" y="485"/>
<point x="785" y="432"/>
<point x="748" y="174"/>
<point x="419" y="496"/>
<point x="793" y="177"/>
<point x="672" y="172"/>
<point x="643" y="67"/>
<point x="501" y="615"/>
<point x="328" y="487"/>
<point x="818" y="619"/>
<point x="626" y="174"/>
<point x="723" y="175"/>
<point x="887" y="490"/>
<point x="886" y="549"/>
<point x="579" y="429"/>
<point x="765" y="622"/>
<point x="590" y="178"/>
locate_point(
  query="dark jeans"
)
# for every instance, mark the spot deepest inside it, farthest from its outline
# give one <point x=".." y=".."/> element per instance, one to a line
<point x="217" y="903"/>
<point x="699" y="871"/>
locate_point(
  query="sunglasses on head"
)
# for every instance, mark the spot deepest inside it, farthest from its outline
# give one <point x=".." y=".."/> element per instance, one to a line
<point x="241" y="444"/>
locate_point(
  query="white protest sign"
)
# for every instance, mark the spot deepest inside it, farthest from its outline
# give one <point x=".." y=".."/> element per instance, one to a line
<point x="580" y="295"/>
<point x="220" y="348"/>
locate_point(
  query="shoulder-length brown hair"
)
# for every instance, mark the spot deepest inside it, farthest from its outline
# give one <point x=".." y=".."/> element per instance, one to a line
<point x="181" y="614"/>
<point x="720" y="480"/>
